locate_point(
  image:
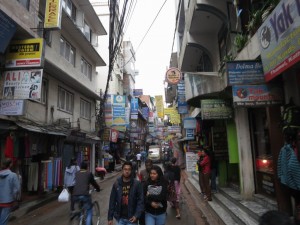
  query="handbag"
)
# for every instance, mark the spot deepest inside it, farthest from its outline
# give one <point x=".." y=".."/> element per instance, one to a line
<point x="64" y="196"/>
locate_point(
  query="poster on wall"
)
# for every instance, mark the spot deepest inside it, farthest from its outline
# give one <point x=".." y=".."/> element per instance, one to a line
<point x="22" y="84"/>
<point x="191" y="161"/>
<point x="257" y="95"/>
<point x="12" y="107"/>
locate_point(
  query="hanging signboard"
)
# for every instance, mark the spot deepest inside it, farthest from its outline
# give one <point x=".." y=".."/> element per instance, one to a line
<point x="189" y="134"/>
<point x="12" y="107"/>
<point x="173" y="75"/>
<point x="53" y="14"/>
<point x="245" y="72"/>
<point x="215" y="109"/>
<point x="257" y="95"/>
<point x="279" y="38"/>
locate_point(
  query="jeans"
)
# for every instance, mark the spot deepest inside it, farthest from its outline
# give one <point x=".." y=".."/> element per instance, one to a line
<point x="125" y="222"/>
<point x="155" y="219"/>
<point x="213" y="177"/>
<point x="87" y="204"/>
<point x="4" y="215"/>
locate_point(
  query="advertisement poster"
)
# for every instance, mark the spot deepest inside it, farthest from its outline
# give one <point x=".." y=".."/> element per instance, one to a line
<point x="25" y="53"/>
<point x="257" y="95"/>
<point x="245" y="72"/>
<point x="22" y="84"/>
<point x="279" y="38"/>
<point x="191" y="161"/>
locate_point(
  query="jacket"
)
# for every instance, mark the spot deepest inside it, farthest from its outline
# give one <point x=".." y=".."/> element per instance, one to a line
<point x="160" y="197"/>
<point x="69" y="179"/>
<point x="9" y="186"/>
<point x="83" y="180"/>
<point x="135" y="199"/>
<point x="205" y="165"/>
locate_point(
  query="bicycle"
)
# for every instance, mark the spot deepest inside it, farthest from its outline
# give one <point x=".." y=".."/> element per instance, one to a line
<point x="79" y="216"/>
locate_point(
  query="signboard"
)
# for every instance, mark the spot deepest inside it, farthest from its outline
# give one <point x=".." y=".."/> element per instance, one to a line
<point x="12" y="107"/>
<point x="137" y="92"/>
<point x="189" y="134"/>
<point x="191" y="161"/>
<point x="114" y="135"/>
<point x="22" y="84"/>
<point x="7" y="30"/>
<point x="257" y="95"/>
<point x="215" y="109"/>
<point x="25" y="53"/>
<point x="119" y="100"/>
<point x="134" y="106"/>
<point x="279" y="38"/>
<point x="173" y="75"/>
<point x="53" y="14"/>
<point x="245" y="72"/>
<point x="189" y="123"/>
<point x="159" y="106"/>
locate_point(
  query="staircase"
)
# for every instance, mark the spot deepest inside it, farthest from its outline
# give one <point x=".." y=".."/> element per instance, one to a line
<point x="229" y="206"/>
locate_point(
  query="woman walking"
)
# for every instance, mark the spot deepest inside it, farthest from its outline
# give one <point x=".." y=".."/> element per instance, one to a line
<point x="177" y="175"/>
<point x="69" y="179"/>
<point x="155" y="191"/>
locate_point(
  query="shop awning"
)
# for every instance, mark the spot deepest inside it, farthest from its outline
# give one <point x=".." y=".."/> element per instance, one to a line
<point x="195" y="112"/>
<point x="41" y="129"/>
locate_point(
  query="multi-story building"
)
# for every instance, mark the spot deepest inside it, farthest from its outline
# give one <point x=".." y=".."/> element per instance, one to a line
<point x="48" y="85"/>
<point x="234" y="58"/>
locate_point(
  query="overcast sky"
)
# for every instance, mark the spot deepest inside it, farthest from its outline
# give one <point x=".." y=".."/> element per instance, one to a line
<point x="153" y="55"/>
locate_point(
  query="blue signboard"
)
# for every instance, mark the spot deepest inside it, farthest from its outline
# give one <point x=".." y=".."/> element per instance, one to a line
<point x="118" y="111"/>
<point x="245" y="72"/>
<point x="134" y="106"/>
<point x="145" y="112"/>
<point x="7" y="30"/>
<point x="137" y="92"/>
<point x="189" y="134"/>
<point x="119" y="100"/>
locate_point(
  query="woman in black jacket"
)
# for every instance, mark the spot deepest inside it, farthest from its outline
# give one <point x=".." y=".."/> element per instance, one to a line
<point x="155" y="191"/>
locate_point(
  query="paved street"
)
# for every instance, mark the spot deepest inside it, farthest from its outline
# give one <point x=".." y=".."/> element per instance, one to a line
<point x="55" y="212"/>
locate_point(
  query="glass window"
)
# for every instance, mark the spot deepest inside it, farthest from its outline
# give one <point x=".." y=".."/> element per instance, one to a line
<point x="86" y="68"/>
<point x="65" y="100"/>
<point x="87" y="31"/>
<point x="85" y="109"/>
<point x="67" y="51"/>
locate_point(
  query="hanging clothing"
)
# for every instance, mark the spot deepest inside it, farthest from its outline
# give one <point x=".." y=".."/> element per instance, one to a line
<point x="288" y="167"/>
<point x="9" y="147"/>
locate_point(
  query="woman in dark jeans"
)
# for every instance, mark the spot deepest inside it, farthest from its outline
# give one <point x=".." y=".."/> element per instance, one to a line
<point x="155" y="191"/>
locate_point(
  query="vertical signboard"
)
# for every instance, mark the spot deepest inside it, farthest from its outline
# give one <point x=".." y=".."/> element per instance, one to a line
<point x="53" y="14"/>
<point x="159" y="106"/>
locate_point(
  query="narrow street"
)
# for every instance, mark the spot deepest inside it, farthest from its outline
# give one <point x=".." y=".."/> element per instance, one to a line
<point x="58" y="212"/>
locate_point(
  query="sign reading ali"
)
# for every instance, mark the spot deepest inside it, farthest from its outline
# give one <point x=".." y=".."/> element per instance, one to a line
<point x="173" y="75"/>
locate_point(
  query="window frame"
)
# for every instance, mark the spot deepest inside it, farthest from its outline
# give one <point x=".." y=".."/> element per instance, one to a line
<point x="85" y="64"/>
<point x="85" y="109"/>
<point x="68" y="101"/>
<point x="67" y="51"/>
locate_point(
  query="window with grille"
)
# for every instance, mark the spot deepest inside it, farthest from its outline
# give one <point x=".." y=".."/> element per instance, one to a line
<point x="85" y="109"/>
<point x="67" y="51"/>
<point x="65" y="100"/>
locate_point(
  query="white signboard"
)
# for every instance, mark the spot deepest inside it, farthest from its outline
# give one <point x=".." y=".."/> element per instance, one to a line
<point x="191" y="161"/>
<point x="22" y="84"/>
<point x="12" y="107"/>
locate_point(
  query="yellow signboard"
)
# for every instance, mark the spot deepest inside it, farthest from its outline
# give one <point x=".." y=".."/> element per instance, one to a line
<point x="52" y="14"/>
<point x="25" y="53"/>
<point x="159" y="106"/>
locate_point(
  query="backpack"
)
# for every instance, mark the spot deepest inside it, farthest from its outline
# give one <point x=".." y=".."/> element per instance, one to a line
<point x="290" y="118"/>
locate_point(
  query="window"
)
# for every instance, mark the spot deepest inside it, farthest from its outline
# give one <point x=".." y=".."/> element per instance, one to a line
<point x="87" y="31"/>
<point x="86" y="68"/>
<point x="70" y="8"/>
<point x="44" y="92"/>
<point x="67" y="51"/>
<point x="85" y="109"/>
<point x="65" y="100"/>
<point x="25" y="3"/>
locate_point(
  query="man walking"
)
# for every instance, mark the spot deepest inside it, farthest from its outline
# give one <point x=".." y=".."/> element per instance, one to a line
<point x="126" y="201"/>
<point x="10" y="190"/>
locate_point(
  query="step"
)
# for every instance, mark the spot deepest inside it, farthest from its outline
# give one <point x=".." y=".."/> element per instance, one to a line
<point x="254" y="208"/>
<point x="215" y="206"/>
<point x="234" y="210"/>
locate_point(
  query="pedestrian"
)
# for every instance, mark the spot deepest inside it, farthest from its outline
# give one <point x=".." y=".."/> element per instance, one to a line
<point x="274" y="217"/>
<point x="138" y="159"/>
<point x="143" y="177"/>
<point x="126" y="202"/>
<point x="155" y="191"/>
<point x="10" y="190"/>
<point x="214" y="171"/>
<point x="177" y="175"/>
<point x="69" y="179"/>
<point x="206" y="170"/>
<point x="83" y="180"/>
<point x="200" y="174"/>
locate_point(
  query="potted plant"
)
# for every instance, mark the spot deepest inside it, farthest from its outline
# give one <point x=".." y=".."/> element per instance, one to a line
<point x="255" y="21"/>
<point x="239" y="41"/>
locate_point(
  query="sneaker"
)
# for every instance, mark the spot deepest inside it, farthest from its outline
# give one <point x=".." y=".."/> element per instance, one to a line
<point x="178" y="217"/>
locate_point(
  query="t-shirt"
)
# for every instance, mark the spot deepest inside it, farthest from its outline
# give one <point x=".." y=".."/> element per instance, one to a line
<point x="124" y="203"/>
<point x="138" y="156"/>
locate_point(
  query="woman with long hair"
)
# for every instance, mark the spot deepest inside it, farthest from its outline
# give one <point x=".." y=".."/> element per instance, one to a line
<point x="155" y="191"/>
